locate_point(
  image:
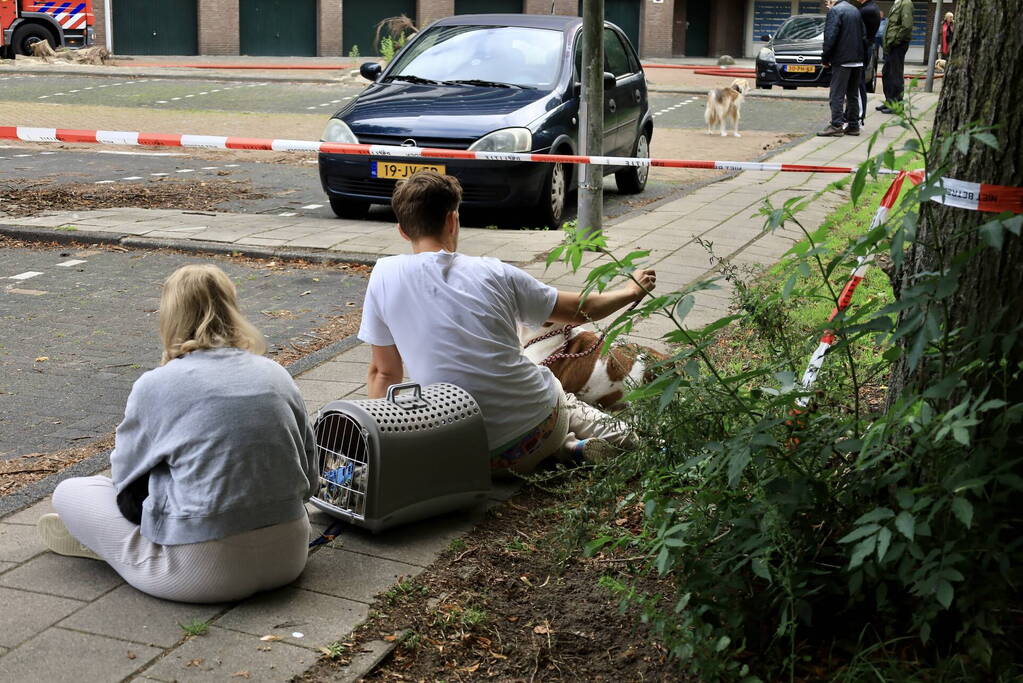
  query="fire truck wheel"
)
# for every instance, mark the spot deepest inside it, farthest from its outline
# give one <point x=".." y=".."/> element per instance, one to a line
<point x="28" y="34"/>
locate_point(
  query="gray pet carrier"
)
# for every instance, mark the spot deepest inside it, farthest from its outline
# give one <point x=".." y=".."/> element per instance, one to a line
<point x="405" y="457"/>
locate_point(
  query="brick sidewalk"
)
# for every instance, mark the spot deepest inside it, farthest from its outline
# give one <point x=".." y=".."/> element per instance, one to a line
<point x="68" y="618"/>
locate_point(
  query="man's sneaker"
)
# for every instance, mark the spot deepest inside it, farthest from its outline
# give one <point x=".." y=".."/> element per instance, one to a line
<point x="594" y="450"/>
<point x="852" y="130"/>
<point x="832" y="132"/>
<point x="58" y="539"/>
<point x="884" y="109"/>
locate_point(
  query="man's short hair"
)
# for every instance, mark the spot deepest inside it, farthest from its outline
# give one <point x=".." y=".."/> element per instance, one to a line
<point x="423" y="201"/>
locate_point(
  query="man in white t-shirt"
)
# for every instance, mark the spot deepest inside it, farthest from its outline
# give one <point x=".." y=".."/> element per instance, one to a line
<point x="453" y="318"/>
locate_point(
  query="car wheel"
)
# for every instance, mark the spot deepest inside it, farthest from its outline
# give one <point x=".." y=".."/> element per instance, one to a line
<point x="550" y="211"/>
<point x="632" y="180"/>
<point x="349" y="208"/>
<point x="27" y="35"/>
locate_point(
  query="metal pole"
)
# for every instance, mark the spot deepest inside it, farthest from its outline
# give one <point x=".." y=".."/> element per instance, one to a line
<point x="591" y="118"/>
<point x="933" y="53"/>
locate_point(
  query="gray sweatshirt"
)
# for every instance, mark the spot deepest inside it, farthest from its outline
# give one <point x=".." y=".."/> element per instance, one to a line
<point x="226" y="439"/>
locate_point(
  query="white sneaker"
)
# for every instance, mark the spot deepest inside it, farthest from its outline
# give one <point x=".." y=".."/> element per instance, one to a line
<point x="594" y="450"/>
<point x="58" y="539"/>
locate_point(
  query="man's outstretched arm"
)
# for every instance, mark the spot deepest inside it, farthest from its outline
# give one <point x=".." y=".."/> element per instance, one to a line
<point x="571" y="308"/>
<point x="385" y="369"/>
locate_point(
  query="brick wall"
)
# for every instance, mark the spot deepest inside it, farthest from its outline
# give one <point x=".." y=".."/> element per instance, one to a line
<point x="655" y="28"/>
<point x="218" y="27"/>
<point x="564" y="7"/>
<point x="99" y="13"/>
<point x="328" y="28"/>
<point x="429" y="11"/>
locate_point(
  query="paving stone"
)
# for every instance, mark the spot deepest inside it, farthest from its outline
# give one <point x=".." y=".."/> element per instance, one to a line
<point x="31" y="514"/>
<point x="129" y="614"/>
<point x="19" y="542"/>
<point x="321" y="619"/>
<point x="419" y="543"/>
<point x="222" y="655"/>
<point x="354" y="576"/>
<point x="61" y="655"/>
<point x="25" y="614"/>
<point x="322" y="392"/>
<point x="338" y="371"/>
<point x="71" y="577"/>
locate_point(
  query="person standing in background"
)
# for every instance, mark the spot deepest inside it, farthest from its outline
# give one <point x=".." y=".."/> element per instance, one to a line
<point x="946" y="35"/>
<point x="897" y="35"/>
<point x="845" y="43"/>
<point x="871" y="15"/>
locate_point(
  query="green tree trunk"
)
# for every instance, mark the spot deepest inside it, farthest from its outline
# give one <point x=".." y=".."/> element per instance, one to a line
<point x="983" y="84"/>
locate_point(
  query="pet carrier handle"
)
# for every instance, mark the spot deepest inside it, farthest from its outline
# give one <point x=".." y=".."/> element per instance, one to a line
<point x="417" y="400"/>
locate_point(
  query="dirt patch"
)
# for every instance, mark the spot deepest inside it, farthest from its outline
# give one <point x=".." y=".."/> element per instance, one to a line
<point x="30" y="198"/>
<point x="499" y="605"/>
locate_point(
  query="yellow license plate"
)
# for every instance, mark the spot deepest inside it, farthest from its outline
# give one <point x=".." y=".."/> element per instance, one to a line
<point x="390" y="169"/>
<point x="800" y="68"/>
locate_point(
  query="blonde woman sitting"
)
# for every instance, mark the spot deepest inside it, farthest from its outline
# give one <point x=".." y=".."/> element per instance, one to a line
<point x="222" y="436"/>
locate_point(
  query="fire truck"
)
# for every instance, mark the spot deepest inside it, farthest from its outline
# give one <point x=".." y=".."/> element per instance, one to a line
<point x="62" y="24"/>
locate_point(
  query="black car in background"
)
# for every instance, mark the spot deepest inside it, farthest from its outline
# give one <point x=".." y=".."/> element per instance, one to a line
<point x="499" y="83"/>
<point x="792" y="56"/>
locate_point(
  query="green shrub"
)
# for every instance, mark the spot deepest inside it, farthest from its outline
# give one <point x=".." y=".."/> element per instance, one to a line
<point x="833" y="538"/>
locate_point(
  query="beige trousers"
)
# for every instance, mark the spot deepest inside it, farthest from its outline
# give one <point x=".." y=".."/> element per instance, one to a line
<point x="223" y="570"/>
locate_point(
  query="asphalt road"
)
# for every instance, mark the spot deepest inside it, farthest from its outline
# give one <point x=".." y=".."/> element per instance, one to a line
<point x="78" y="326"/>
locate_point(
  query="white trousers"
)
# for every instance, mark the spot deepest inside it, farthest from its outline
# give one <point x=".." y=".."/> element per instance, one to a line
<point x="222" y="570"/>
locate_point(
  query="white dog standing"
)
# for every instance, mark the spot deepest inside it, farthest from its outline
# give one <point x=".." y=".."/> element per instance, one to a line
<point x="723" y="105"/>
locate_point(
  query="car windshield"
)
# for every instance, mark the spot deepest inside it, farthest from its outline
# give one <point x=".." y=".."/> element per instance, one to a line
<point x="490" y="56"/>
<point x="802" y="28"/>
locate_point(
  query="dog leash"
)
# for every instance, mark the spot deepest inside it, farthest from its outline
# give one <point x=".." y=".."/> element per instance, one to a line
<point x="567" y="331"/>
<point x="328" y="535"/>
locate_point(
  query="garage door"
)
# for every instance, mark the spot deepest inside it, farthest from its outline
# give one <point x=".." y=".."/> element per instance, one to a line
<point x="625" y="15"/>
<point x="277" y="27"/>
<point x="359" y="21"/>
<point x="488" y="6"/>
<point x="143" y="27"/>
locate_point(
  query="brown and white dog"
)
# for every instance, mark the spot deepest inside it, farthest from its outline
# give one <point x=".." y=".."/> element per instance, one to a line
<point x="723" y="105"/>
<point x="602" y="380"/>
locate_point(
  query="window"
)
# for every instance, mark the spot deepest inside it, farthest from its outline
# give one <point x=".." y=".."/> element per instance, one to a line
<point x="616" y="59"/>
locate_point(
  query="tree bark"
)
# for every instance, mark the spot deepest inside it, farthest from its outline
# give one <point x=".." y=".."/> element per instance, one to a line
<point x="983" y="84"/>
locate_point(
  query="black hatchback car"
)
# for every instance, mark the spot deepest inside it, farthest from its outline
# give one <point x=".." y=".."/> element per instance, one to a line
<point x="500" y="83"/>
<point x="792" y="56"/>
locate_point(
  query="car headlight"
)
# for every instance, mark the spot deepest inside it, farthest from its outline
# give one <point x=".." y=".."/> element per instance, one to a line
<point x="766" y="55"/>
<point x="338" y="131"/>
<point x="504" y="140"/>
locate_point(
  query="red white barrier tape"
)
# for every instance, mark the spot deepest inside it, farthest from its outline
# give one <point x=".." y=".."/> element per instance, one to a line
<point x="111" y="137"/>
<point x="855" y="278"/>
<point x="980" y="196"/>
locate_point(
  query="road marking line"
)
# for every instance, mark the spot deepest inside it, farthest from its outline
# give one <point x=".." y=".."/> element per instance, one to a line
<point x="187" y="96"/>
<point x="21" y="156"/>
<point x="133" y="177"/>
<point x="174" y="99"/>
<point x="230" y="165"/>
<point x="74" y="91"/>
<point x="310" y="107"/>
<point x="313" y="206"/>
<point x="25" y="276"/>
<point x="105" y="182"/>
<point x="159" y="174"/>
<point x="72" y="262"/>
<point x="161" y="101"/>
<point x="42" y="97"/>
<point x="185" y="170"/>
<point x="41" y="153"/>
<point x="287" y="214"/>
<point x="210" y="168"/>
<point x="30" y="292"/>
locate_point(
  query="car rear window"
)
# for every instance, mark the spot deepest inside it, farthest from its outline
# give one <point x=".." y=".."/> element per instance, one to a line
<point x="529" y="57"/>
<point x="802" y="28"/>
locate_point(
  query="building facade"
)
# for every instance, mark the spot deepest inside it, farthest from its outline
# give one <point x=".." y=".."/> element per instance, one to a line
<point x="658" y="28"/>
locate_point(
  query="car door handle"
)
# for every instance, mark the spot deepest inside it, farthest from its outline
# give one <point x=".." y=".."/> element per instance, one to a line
<point x="611" y="105"/>
<point x="639" y="97"/>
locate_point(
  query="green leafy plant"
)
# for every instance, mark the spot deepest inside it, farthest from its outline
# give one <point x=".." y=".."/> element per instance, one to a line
<point x="195" y="627"/>
<point x="812" y="527"/>
<point x="354" y="52"/>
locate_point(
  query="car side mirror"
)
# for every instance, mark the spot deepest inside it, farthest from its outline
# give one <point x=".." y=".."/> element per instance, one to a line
<point x="370" y="70"/>
<point x="766" y="37"/>
<point x="609" y="80"/>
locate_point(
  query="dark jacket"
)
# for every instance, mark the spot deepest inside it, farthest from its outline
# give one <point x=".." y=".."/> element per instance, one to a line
<point x="871" y="15"/>
<point x="844" y="36"/>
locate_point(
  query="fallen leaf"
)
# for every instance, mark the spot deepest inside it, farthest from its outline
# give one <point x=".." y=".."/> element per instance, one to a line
<point x="241" y="674"/>
<point x="270" y="638"/>
<point x="472" y="669"/>
<point x="542" y="629"/>
<point x="195" y="662"/>
<point x="308" y="291"/>
<point x="513" y="619"/>
<point x="131" y="655"/>
<point x="525" y="580"/>
<point x="497" y="655"/>
<point x="390" y="639"/>
<point x="42" y="359"/>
